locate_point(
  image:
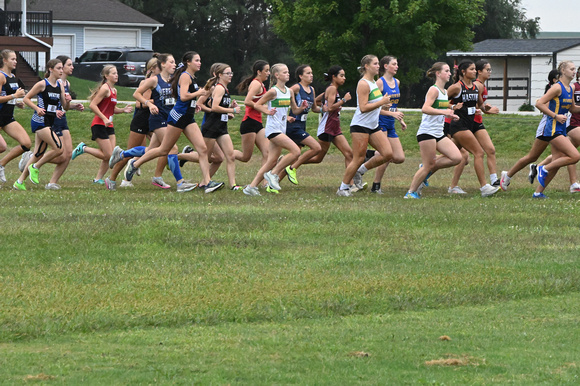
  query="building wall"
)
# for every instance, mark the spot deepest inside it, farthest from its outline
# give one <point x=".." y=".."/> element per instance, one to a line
<point x="518" y="67"/>
<point x="541" y="67"/>
<point x="572" y="54"/>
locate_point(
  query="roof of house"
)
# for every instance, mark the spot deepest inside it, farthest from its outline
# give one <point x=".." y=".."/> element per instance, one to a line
<point x="101" y="11"/>
<point x="520" y="47"/>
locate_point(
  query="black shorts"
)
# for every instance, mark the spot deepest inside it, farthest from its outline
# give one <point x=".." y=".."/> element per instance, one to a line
<point x="476" y="127"/>
<point x="185" y="120"/>
<point x="250" y="126"/>
<point x="214" y="131"/>
<point x="426" y="137"/>
<point x="140" y="121"/>
<point x="6" y="120"/>
<point x="547" y="138"/>
<point x="446" y="128"/>
<point x="273" y="135"/>
<point x="460" y="125"/>
<point x="325" y="137"/>
<point x="364" y="130"/>
<point x="570" y="128"/>
<point x="102" y="132"/>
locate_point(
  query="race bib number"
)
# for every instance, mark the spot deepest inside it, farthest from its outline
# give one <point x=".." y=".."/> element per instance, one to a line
<point x="114" y="100"/>
<point x="111" y="118"/>
<point x="193" y="104"/>
<point x="303" y="117"/>
<point x="11" y="102"/>
<point x="51" y="108"/>
<point x="225" y="117"/>
<point x="393" y="109"/>
<point x="470" y="110"/>
<point x="13" y="86"/>
<point x="169" y="101"/>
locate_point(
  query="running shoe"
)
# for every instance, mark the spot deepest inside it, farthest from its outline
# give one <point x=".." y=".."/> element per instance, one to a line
<point x="426" y="180"/>
<point x="52" y="186"/>
<point x="251" y="191"/>
<point x="497" y="182"/>
<point x="117" y="156"/>
<point x="291" y="175"/>
<point x="127" y="184"/>
<point x="420" y="189"/>
<point x="110" y="184"/>
<point x="354" y="188"/>
<point x="488" y="190"/>
<point x="575" y="188"/>
<point x="378" y="191"/>
<point x="539" y="195"/>
<point x="279" y="159"/>
<point x="80" y="149"/>
<point x="271" y="190"/>
<point x="24" y="160"/>
<point x="19" y="185"/>
<point x="533" y="173"/>
<point x="542" y="174"/>
<point x="505" y="181"/>
<point x="344" y="193"/>
<point x="2" y="175"/>
<point x="130" y="170"/>
<point x="186" y="149"/>
<point x="158" y="181"/>
<point x="33" y="174"/>
<point x="212" y="186"/>
<point x="100" y="181"/>
<point x="237" y="187"/>
<point x="456" y="190"/>
<point x="273" y="180"/>
<point x="412" y="195"/>
<point x="357" y="179"/>
<point x="185" y="187"/>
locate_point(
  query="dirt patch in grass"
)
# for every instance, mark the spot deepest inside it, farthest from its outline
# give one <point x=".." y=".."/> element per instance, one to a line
<point x="453" y="360"/>
<point x="39" y="377"/>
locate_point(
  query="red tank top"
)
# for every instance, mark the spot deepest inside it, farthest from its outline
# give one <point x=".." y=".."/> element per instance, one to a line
<point x="250" y="111"/>
<point x="107" y="107"/>
<point x="575" y="120"/>
<point x="479" y="118"/>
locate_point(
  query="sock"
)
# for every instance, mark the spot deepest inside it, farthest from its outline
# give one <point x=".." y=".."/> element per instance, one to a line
<point x="174" y="166"/>
<point x="376" y="186"/>
<point x="137" y="151"/>
<point x="370" y="154"/>
<point x="363" y="169"/>
<point x="493" y="177"/>
<point x="344" y="186"/>
<point x="34" y="166"/>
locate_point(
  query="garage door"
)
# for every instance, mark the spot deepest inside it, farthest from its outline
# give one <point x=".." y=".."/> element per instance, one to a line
<point x="63" y="45"/>
<point x="103" y="37"/>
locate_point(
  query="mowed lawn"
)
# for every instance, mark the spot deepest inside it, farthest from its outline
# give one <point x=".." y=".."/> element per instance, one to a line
<point x="144" y="286"/>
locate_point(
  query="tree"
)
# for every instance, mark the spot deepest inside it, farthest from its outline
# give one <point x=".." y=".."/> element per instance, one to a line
<point x="505" y="19"/>
<point x="327" y="32"/>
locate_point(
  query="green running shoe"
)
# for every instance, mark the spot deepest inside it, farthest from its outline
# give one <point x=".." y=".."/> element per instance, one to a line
<point x="291" y="175"/>
<point x="33" y="174"/>
<point x="19" y="185"/>
<point x="272" y="190"/>
<point x="80" y="149"/>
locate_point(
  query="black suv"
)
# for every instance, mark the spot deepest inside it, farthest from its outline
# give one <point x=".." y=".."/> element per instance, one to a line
<point x="130" y="63"/>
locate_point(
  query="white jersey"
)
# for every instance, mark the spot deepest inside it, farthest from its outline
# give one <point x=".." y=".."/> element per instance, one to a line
<point x="433" y="124"/>
<point x="277" y="123"/>
<point x="370" y="119"/>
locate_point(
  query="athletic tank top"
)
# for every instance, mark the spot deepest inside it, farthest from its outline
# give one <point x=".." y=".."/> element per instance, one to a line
<point x="469" y="98"/>
<point x="479" y="118"/>
<point x="330" y="120"/>
<point x="370" y="119"/>
<point x="575" y="120"/>
<point x="433" y="124"/>
<point x="49" y="100"/>
<point x="277" y="123"/>
<point x="300" y="96"/>
<point x="213" y="119"/>
<point x="185" y="107"/>
<point x="61" y="122"/>
<point x="162" y="96"/>
<point x="107" y="107"/>
<point x="9" y="88"/>
<point x="560" y="105"/>
<point x="250" y="111"/>
<point x="395" y="94"/>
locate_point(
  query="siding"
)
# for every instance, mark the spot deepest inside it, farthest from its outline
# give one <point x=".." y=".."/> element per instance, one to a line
<point x="572" y="54"/>
<point x="77" y="30"/>
<point x="517" y="68"/>
<point x="541" y="67"/>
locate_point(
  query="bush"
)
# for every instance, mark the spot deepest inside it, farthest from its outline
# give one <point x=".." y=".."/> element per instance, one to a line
<point x="526" y="107"/>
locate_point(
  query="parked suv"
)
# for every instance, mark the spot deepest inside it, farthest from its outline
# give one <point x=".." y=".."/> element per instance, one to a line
<point x="130" y="63"/>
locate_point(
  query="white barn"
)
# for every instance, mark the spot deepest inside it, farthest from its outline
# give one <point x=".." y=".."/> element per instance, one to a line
<point x="520" y="66"/>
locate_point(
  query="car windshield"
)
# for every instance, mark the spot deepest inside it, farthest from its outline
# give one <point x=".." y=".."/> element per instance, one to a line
<point x="139" y="56"/>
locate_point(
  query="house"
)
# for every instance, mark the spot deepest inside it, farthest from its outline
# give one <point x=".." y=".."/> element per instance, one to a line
<point x="520" y="67"/>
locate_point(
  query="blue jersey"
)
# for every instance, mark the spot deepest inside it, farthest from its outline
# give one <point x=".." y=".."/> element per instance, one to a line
<point x="49" y="100"/>
<point x="9" y="88"/>
<point x="386" y="121"/>
<point x="560" y="105"/>
<point x="163" y="97"/>
<point x="184" y="107"/>
<point x="61" y="123"/>
<point x="300" y="96"/>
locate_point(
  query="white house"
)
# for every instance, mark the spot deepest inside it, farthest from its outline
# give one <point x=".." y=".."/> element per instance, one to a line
<point x="520" y="67"/>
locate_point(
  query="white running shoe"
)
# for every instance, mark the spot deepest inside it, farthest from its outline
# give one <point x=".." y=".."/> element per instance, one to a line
<point x="158" y="181"/>
<point x="488" y="190"/>
<point x="505" y="180"/>
<point x="116" y="156"/>
<point x="456" y="190"/>
<point x="420" y="189"/>
<point x="344" y="193"/>
<point x="273" y="180"/>
<point x="52" y="186"/>
<point x="186" y="187"/>
<point x="575" y="188"/>
<point x="110" y="184"/>
<point x="24" y="160"/>
<point x="354" y="188"/>
<point x="2" y="175"/>
<point x="251" y="191"/>
<point x="357" y="179"/>
<point x="126" y="184"/>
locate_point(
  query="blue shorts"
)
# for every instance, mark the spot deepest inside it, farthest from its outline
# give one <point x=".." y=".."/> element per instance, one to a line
<point x="59" y="126"/>
<point x="297" y="134"/>
<point x="157" y="121"/>
<point x="391" y="132"/>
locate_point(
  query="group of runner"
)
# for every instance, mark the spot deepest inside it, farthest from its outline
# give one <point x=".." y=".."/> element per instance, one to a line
<point x="168" y="99"/>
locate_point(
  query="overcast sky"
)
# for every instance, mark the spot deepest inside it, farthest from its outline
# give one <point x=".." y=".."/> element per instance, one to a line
<point x="550" y="12"/>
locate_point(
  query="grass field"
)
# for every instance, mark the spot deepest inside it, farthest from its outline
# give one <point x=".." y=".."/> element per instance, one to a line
<point x="146" y="286"/>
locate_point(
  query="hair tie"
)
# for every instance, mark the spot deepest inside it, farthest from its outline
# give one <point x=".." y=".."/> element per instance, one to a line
<point x="455" y="67"/>
<point x="180" y="66"/>
<point x="359" y="68"/>
<point x="325" y="74"/>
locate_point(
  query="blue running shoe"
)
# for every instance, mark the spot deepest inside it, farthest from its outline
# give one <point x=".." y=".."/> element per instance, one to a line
<point x="426" y="180"/>
<point x="130" y="170"/>
<point x="80" y="149"/>
<point x="539" y="195"/>
<point x="542" y="174"/>
<point x="412" y="195"/>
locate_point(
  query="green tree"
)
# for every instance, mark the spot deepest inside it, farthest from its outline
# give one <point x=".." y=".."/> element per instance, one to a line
<point x="505" y="19"/>
<point x="326" y="32"/>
